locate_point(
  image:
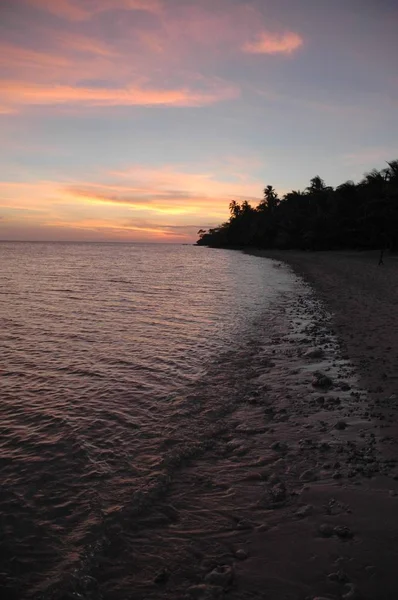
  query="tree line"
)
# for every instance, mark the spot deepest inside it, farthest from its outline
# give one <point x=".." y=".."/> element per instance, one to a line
<point x="360" y="215"/>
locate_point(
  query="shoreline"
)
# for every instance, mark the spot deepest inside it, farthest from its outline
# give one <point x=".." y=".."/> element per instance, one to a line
<point x="296" y="496"/>
<point x="363" y="300"/>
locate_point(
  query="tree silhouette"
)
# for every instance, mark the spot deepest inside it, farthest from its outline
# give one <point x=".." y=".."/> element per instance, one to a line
<point x="362" y="215"/>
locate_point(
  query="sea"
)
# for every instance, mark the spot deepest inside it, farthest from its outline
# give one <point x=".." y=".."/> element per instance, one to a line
<point x="117" y="364"/>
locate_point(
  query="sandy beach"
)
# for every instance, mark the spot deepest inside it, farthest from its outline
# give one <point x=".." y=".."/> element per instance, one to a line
<point x="363" y="299"/>
<point x="296" y="493"/>
<point x="279" y="477"/>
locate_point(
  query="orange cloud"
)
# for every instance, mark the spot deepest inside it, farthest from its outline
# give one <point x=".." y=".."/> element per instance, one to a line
<point x="17" y="94"/>
<point x="79" y="10"/>
<point x="206" y="183"/>
<point x="269" y="43"/>
<point x="167" y="191"/>
<point x="86" y="45"/>
<point x="12" y="56"/>
<point x="62" y="8"/>
<point x="47" y="210"/>
<point x="148" y="202"/>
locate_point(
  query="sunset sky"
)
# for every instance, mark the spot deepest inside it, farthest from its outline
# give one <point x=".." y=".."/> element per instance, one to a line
<point x="140" y="120"/>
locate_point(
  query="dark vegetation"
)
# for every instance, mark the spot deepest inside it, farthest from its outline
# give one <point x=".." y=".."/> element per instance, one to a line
<point x="359" y="216"/>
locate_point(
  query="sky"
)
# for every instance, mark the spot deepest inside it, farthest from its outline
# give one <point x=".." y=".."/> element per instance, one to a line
<point x="140" y="120"/>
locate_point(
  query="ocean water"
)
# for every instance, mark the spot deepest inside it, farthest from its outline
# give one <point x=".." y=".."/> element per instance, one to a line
<point x="110" y="357"/>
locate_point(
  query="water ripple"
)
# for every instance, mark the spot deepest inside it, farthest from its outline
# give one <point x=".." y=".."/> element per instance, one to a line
<point x="100" y="345"/>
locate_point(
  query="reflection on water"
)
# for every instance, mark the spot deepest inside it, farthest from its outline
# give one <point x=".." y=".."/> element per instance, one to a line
<point x="102" y="346"/>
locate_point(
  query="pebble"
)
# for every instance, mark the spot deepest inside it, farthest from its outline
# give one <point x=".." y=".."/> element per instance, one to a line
<point x="351" y="592"/>
<point x="206" y="592"/>
<point x="340" y="425"/>
<point x="279" y="446"/>
<point x="305" y="511"/>
<point x="241" y="554"/>
<point x="321" y="380"/>
<point x="277" y="493"/>
<point x="343" y="532"/>
<point x="314" y="353"/>
<point x="326" y="530"/>
<point x="339" y="576"/>
<point x="220" y="576"/>
<point x="344" y="386"/>
<point x="308" y="475"/>
<point x="243" y="524"/>
<point x="162" y="577"/>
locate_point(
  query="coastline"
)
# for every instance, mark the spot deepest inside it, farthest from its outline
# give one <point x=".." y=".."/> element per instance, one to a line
<point x="363" y="300"/>
<point x="295" y="496"/>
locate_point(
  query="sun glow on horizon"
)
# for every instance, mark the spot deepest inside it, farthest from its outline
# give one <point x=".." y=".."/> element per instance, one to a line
<point x="143" y="119"/>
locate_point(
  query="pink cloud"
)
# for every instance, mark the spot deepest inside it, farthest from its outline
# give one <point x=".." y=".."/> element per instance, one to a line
<point x="17" y="57"/>
<point x="86" y="45"/>
<point x="82" y="10"/>
<point x="73" y="11"/>
<point x="169" y="191"/>
<point x="16" y="94"/>
<point x="270" y="43"/>
<point x="182" y="46"/>
<point x="152" y="203"/>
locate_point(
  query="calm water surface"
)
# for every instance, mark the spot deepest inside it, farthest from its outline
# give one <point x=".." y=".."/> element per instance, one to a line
<point x="102" y="345"/>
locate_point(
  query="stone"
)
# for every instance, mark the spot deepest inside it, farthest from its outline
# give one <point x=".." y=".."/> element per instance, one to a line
<point x="343" y="532"/>
<point x="205" y="592"/>
<point x="305" y="511"/>
<point x="351" y="592"/>
<point x="339" y="576"/>
<point x="221" y="576"/>
<point x="308" y="475"/>
<point x="279" y="446"/>
<point x="162" y="577"/>
<point x="243" y="525"/>
<point x="326" y="530"/>
<point x="340" y="425"/>
<point x="241" y="554"/>
<point x="277" y="493"/>
<point x="314" y="353"/>
<point x="321" y="380"/>
<point x="324" y="446"/>
<point x="344" y="386"/>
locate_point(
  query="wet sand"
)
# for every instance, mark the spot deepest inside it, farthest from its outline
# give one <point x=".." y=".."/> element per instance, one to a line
<point x="295" y="496"/>
<point x="363" y="298"/>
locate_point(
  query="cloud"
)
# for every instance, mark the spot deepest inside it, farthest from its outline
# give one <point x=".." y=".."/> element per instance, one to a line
<point x="168" y="191"/>
<point x="62" y="8"/>
<point x="271" y="43"/>
<point x="86" y="45"/>
<point x="135" y="203"/>
<point x="82" y="10"/>
<point x="225" y="180"/>
<point x="16" y="94"/>
<point x="167" y="61"/>
<point x="15" y="58"/>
